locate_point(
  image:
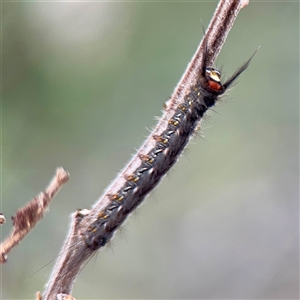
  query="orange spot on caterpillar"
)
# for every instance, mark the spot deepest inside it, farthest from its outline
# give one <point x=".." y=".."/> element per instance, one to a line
<point x="182" y="107"/>
<point x="116" y="197"/>
<point x="132" y="178"/>
<point x="160" y="139"/>
<point x="103" y="215"/>
<point x="173" y="122"/>
<point x="146" y="158"/>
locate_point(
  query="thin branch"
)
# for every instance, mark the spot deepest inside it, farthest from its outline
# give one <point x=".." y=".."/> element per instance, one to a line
<point x="28" y="216"/>
<point x="90" y="230"/>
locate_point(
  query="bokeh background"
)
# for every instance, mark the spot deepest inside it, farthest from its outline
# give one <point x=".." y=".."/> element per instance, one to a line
<point x="83" y="81"/>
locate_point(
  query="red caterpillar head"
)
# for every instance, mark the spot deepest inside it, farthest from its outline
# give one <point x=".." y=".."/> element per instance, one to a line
<point x="212" y="77"/>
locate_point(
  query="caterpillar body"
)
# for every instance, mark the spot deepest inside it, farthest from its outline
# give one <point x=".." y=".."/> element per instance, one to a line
<point x="166" y="149"/>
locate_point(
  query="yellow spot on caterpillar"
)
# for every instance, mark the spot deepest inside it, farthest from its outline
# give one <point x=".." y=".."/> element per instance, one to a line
<point x="173" y="122"/>
<point x="93" y="229"/>
<point x="132" y="178"/>
<point x="183" y="108"/>
<point x="160" y="139"/>
<point x="103" y="215"/>
<point x="151" y="160"/>
<point x="116" y="197"/>
<point x="146" y="158"/>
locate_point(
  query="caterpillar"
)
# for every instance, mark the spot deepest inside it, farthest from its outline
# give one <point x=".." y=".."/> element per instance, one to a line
<point x="164" y="152"/>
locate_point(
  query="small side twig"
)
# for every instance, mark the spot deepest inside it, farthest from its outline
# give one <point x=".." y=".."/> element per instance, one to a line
<point x="75" y="250"/>
<point x="28" y="216"/>
<point x="2" y="219"/>
<point x="38" y="296"/>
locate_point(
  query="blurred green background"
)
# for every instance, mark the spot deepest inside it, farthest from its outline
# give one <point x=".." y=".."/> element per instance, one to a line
<point x="82" y="82"/>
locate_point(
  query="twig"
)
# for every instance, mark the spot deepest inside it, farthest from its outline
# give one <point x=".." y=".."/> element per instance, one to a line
<point x="27" y="217"/>
<point x="90" y="230"/>
<point x="2" y="219"/>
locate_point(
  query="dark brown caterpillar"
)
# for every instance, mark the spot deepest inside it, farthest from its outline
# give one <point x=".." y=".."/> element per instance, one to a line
<point x="166" y="150"/>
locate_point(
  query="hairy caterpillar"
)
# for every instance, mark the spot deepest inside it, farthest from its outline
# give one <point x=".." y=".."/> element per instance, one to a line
<point x="166" y="148"/>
